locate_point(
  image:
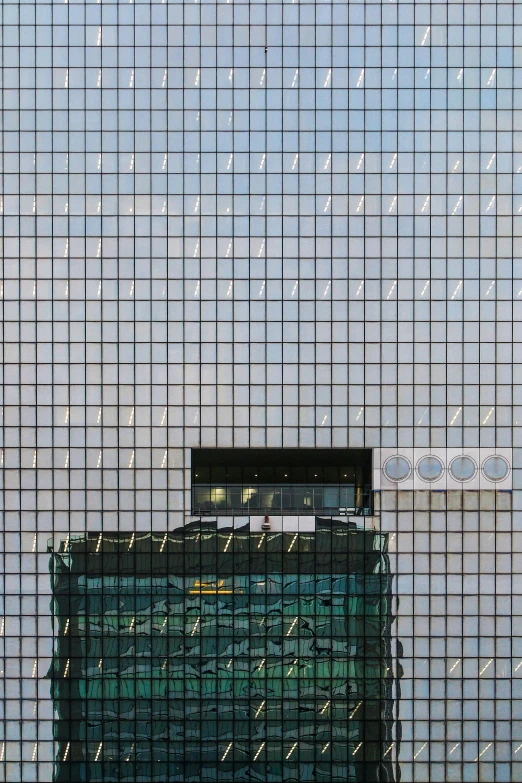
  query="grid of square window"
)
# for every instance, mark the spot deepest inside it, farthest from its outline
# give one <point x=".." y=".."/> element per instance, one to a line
<point x="260" y="226"/>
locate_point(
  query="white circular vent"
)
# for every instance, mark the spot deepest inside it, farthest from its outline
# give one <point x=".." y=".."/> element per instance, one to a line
<point x="397" y="468"/>
<point x="430" y="468"/>
<point x="463" y="468"/>
<point x="495" y="468"/>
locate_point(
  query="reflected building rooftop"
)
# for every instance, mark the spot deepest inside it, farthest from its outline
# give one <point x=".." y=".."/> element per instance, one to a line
<point x="212" y="655"/>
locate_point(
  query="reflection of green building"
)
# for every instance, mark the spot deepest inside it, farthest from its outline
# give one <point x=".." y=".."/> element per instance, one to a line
<point x="224" y="655"/>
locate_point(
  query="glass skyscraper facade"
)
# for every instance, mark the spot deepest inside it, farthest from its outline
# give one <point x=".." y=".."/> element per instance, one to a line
<point x="261" y="410"/>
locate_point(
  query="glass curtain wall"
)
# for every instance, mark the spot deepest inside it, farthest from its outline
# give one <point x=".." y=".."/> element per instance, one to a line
<point x="266" y="224"/>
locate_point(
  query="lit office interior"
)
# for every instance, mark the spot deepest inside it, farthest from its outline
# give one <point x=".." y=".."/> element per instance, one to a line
<point x="281" y="481"/>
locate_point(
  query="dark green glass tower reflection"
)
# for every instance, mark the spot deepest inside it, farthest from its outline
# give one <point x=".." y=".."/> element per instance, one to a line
<point x="218" y="654"/>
